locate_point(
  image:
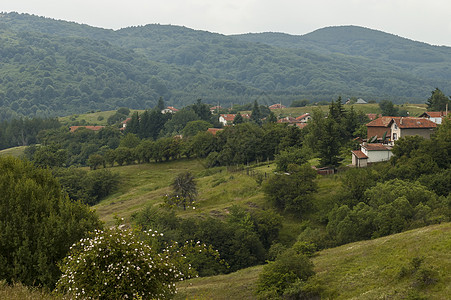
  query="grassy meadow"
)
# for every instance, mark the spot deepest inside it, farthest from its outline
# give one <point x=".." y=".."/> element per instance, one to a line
<point x="361" y="270"/>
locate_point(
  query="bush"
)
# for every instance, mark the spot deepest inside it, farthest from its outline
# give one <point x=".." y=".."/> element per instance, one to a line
<point x="288" y="269"/>
<point x="117" y="264"/>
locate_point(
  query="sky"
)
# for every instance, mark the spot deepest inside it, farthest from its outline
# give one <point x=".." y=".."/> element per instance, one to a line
<point x="426" y="21"/>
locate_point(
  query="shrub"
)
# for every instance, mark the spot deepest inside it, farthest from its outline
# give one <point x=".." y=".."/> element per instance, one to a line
<point x="117" y="264"/>
<point x="288" y="269"/>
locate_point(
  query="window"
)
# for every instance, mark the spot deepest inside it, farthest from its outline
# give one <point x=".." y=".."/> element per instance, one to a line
<point x="395" y="136"/>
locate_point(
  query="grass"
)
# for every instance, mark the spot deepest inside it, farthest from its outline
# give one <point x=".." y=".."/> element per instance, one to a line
<point x="15" y="151"/>
<point x="146" y="184"/>
<point x="361" y="270"/>
<point x="20" y="292"/>
<point x="98" y="118"/>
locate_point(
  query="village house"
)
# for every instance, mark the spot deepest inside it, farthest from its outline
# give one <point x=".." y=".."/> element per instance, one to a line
<point x="304" y="118"/>
<point x="227" y="119"/>
<point x="404" y="126"/>
<point x="379" y="128"/>
<point x="169" y="110"/>
<point x="435" y="116"/>
<point x="277" y="106"/>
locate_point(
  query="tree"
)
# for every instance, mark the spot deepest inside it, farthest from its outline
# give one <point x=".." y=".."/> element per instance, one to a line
<point x="96" y="160"/>
<point x="193" y="127"/>
<point x="388" y="109"/>
<point x="256" y="115"/>
<point x="438" y="101"/>
<point x="38" y="224"/>
<point x="238" y="119"/>
<point x="184" y="190"/>
<point x="292" y="192"/>
<point x="271" y="118"/>
<point x="161" y="105"/>
<point x="330" y="143"/>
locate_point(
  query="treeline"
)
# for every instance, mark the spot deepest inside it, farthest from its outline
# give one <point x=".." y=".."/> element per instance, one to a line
<point x="24" y="132"/>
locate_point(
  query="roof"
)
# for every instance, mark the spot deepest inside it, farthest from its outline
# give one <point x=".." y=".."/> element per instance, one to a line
<point x="360" y="101"/>
<point x="126" y="120"/>
<point x="276" y="106"/>
<point x="407" y="122"/>
<point x="228" y="117"/>
<point x="376" y="147"/>
<point x="93" y="128"/>
<point x="434" y="114"/>
<point x="214" y="130"/>
<point x="359" y="154"/>
<point x="172" y="108"/>
<point x="215" y="108"/>
<point x="380" y="122"/>
<point x="303" y="116"/>
<point x="287" y="120"/>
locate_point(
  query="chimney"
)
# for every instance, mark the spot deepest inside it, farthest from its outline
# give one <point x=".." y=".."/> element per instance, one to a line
<point x="400" y="122"/>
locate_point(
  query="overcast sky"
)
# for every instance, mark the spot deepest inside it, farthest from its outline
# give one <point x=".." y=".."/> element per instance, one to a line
<point x="421" y="20"/>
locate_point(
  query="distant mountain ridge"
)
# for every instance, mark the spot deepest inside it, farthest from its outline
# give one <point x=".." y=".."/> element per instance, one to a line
<point x="182" y="65"/>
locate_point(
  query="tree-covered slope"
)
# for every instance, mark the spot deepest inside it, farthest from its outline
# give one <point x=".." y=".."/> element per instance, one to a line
<point x="52" y="67"/>
<point x="419" y="58"/>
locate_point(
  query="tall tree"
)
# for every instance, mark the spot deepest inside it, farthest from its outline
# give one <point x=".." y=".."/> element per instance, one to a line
<point x="238" y="119"/>
<point x="256" y="115"/>
<point x="133" y="124"/>
<point x="330" y="143"/>
<point x="161" y="105"/>
<point x="438" y="101"/>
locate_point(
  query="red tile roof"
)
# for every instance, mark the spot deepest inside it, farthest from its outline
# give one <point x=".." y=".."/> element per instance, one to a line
<point x="407" y="122"/>
<point x="276" y="106"/>
<point x="359" y="154"/>
<point x="172" y="108"/>
<point x="380" y="122"/>
<point x="435" y="114"/>
<point x="303" y="116"/>
<point x="214" y="130"/>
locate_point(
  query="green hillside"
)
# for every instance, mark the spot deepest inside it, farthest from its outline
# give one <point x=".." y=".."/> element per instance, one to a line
<point x="54" y="68"/>
<point x="362" y="270"/>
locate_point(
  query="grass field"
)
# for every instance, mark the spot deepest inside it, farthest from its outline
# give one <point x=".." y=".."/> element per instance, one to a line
<point x="15" y="151"/>
<point x="146" y="184"/>
<point x="361" y="270"/>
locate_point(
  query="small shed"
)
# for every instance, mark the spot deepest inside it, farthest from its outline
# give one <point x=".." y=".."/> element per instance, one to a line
<point x="359" y="159"/>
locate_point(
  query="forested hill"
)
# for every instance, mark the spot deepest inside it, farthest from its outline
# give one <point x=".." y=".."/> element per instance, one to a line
<point x="51" y="67"/>
<point x="421" y="58"/>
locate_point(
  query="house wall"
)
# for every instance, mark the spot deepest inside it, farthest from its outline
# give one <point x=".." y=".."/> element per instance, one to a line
<point x="377" y="156"/>
<point x="423" y="132"/>
<point x="359" y="163"/>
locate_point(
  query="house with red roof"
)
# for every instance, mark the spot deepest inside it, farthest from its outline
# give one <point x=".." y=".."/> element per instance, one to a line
<point x="227" y="119"/>
<point x="406" y="126"/>
<point x="435" y="116"/>
<point x="304" y="118"/>
<point x="169" y="110"/>
<point x="277" y="106"/>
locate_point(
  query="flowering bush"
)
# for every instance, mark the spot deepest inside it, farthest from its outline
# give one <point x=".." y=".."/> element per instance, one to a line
<point x="118" y="264"/>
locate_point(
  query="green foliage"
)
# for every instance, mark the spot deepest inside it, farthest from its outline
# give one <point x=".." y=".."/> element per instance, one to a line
<point x="290" y="156"/>
<point x="194" y="127"/>
<point x="292" y="192"/>
<point x="288" y="269"/>
<point x="438" y="101"/>
<point x="184" y="191"/>
<point x="388" y="109"/>
<point x="88" y="187"/>
<point x="116" y="264"/>
<point x="38" y="224"/>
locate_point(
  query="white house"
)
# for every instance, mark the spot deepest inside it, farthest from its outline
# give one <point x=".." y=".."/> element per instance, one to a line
<point x="376" y="152"/>
<point x="435" y="116"/>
